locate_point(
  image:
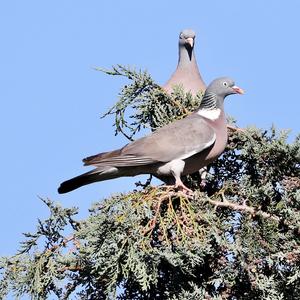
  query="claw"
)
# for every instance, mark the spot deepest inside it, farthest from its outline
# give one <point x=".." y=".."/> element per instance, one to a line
<point x="181" y="187"/>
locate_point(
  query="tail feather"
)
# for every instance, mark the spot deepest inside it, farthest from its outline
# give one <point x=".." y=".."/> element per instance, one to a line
<point x="94" y="159"/>
<point x="76" y="182"/>
<point x="87" y="178"/>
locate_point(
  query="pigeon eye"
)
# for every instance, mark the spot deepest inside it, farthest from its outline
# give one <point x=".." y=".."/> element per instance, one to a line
<point x="225" y="83"/>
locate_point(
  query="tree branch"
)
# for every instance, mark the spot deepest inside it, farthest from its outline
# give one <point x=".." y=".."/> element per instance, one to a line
<point x="242" y="207"/>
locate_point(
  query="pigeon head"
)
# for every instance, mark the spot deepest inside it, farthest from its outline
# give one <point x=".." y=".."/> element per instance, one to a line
<point x="223" y="87"/>
<point x="217" y="91"/>
<point x="186" y="41"/>
<point x="187" y="37"/>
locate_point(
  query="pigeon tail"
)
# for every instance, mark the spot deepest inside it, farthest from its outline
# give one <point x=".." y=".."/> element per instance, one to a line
<point x="87" y="178"/>
<point x="90" y="160"/>
<point x="77" y="182"/>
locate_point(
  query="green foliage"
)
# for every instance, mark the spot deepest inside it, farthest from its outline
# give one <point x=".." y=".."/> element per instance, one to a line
<point x="33" y="271"/>
<point x="237" y="237"/>
<point x="143" y="103"/>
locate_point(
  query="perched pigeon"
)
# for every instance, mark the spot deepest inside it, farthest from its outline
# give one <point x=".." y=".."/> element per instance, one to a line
<point x="179" y="148"/>
<point x="187" y="73"/>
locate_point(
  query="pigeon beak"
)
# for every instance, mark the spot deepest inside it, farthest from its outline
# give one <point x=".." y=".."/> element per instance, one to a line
<point x="190" y="41"/>
<point x="238" y="90"/>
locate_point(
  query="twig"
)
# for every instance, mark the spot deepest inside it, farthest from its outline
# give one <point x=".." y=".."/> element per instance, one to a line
<point x="243" y="207"/>
<point x="70" y="268"/>
<point x="152" y="222"/>
<point x="180" y="106"/>
<point x="63" y="243"/>
<point x="233" y="128"/>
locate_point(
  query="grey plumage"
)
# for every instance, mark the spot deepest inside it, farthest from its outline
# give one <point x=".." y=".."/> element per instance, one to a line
<point x="179" y="148"/>
<point x="187" y="73"/>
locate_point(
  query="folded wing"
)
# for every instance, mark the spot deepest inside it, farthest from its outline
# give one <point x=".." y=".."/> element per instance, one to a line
<point x="178" y="140"/>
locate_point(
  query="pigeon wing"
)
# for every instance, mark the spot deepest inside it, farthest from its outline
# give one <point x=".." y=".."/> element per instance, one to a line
<point x="178" y="140"/>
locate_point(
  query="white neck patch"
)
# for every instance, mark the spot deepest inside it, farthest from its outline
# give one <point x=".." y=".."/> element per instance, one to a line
<point x="211" y="114"/>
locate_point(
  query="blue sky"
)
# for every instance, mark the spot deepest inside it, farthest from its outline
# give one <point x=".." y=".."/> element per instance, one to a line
<point x="52" y="98"/>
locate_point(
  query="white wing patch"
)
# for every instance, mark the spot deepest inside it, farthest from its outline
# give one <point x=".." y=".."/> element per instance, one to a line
<point x="203" y="147"/>
<point x="125" y="161"/>
<point x="211" y="114"/>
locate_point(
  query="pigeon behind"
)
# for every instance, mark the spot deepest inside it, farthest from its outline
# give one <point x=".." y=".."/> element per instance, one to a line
<point x="187" y="73"/>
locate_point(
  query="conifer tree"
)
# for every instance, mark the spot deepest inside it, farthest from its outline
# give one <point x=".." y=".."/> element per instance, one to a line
<point x="237" y="237"/>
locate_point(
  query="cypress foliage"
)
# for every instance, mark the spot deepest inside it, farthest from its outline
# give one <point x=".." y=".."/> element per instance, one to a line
<point x="238" y="237"/>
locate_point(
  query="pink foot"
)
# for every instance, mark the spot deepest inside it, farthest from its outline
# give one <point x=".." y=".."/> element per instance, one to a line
<point x="181" y="187"/>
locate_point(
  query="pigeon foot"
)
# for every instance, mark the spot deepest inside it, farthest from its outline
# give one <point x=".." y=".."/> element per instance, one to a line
<point x="181" y="187"/>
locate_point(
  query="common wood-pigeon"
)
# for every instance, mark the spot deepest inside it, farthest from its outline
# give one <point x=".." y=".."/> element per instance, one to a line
<point x="179" y="148"/>
<point x="187" y="73"/>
